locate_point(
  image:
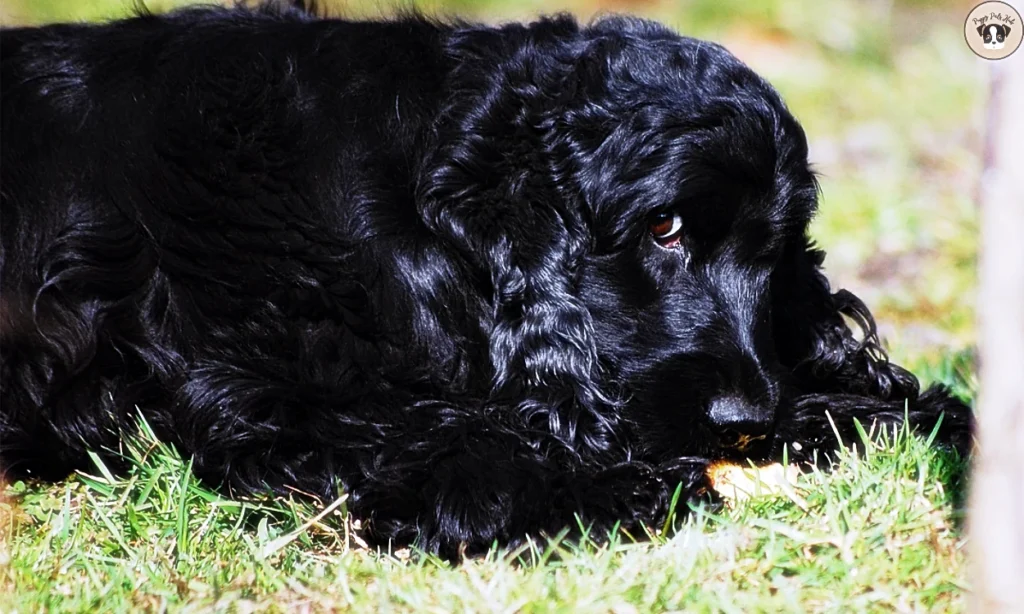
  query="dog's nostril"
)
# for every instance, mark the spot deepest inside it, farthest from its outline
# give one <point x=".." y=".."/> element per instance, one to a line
<point x="738" y="421"/>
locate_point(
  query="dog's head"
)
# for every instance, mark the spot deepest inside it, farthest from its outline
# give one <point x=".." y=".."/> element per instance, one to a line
<point x="994" y="35"/>
<point x="640" y="189"/>
<point x="697" y="184"/>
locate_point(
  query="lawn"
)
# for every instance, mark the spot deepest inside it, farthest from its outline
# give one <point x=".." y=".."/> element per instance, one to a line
<point x="879" y="533"/>
<point x="892" y="101"/>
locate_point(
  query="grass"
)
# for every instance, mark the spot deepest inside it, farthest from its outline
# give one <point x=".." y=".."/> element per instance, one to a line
<point x="892" y="102"/>
<point x="878" y="533"/>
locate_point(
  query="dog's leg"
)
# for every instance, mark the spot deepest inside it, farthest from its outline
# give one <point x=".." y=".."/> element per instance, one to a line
<point x="471" y="483"/>
<point x="817" y="423"/>
<point x="830" y="370"/>
<point x="452" y="479"/>
<point x="81" y="343"/>
<point x="54" y="403"/>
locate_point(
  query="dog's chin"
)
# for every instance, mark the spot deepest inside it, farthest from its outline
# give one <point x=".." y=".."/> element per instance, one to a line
<point x="994" y="46"/>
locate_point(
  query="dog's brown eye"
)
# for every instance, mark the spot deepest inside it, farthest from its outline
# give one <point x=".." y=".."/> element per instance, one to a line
<point x="665" y="228"/>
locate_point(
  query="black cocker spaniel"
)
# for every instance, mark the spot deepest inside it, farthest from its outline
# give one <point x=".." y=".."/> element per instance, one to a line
<point x="484" y="279"/>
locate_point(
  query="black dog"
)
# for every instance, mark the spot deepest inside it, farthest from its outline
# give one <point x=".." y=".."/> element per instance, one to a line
<point x="484" y="279"/>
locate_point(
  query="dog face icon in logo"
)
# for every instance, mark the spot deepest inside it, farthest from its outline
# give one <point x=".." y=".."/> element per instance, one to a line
<point x="994" y="35"/>
<point x="992" y="30"/>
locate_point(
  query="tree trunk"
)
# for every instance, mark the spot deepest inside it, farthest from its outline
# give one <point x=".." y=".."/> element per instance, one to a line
<point x="996" y="516"/>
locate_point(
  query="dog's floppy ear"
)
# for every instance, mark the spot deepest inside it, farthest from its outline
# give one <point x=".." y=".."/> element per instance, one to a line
<point x="836" y="379"/>
<point x="494" y="191"/>
<point x="981" y="30"/>
<point x="813" y="337"/>
<point x="1006" y="30"/>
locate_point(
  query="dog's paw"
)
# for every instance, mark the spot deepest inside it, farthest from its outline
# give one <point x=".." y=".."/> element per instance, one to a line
<point x="635" y="495"/>
<point x="692" y="478"/>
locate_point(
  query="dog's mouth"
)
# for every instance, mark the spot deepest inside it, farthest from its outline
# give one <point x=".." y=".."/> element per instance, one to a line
<point x="740" y="442"/>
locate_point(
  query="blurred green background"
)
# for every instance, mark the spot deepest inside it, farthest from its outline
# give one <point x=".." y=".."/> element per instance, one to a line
<point x="891" y="98"/>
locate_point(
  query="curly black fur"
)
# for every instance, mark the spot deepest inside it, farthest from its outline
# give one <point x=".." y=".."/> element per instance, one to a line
<point x="415" y="259"/>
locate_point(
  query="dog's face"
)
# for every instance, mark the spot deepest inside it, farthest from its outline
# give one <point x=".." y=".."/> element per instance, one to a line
<point x="692" y="199"/>
<point x="994" y="35"/>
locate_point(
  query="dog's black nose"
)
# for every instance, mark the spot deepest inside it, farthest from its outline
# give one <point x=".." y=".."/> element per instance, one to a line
<point x="738" y="422"/>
